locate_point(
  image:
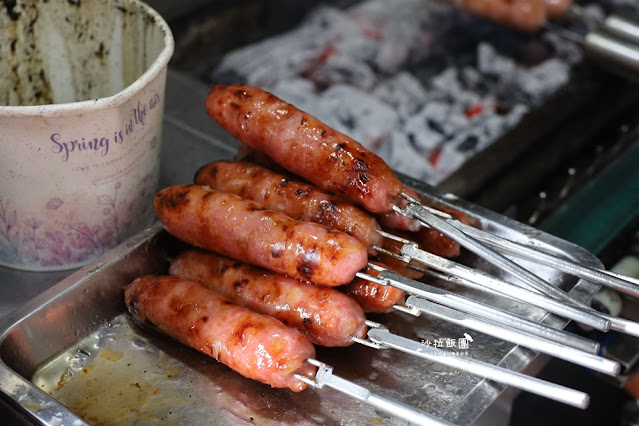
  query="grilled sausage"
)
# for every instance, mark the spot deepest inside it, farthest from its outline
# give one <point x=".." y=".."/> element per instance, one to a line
<point x="435" y="242"/>
<point x="299" y="200"/>
<point x="394" y="220"/>
<point x="325" y="315"/>
<point x="305" y="146"/>
<point x="557" y="8"/>
<point x="525" y="15"/>
<point x="373" y="297"/>
<point x="255" y="345"/>
<point x="244" y="230"/>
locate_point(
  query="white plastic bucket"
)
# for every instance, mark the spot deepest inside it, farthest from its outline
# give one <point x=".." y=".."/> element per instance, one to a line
<point x="82" y="85"/>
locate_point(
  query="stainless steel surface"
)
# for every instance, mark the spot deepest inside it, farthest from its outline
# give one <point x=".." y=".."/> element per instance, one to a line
<point x="85" y="312"/>
<point x="325" y="377"/>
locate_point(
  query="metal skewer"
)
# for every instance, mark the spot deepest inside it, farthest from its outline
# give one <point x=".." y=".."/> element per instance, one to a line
<point x="610" y="279"/>
<point x="530" y="341"/>
<point x="465" y="305"/>
<point x="415" y="210"/>
<point x="614" y="24"/>
<point x="476" y="308"/>
<point x="532" y="327"/>
<point x="380" y="335"/>
<point x="325" y="377"/>
<point x="614" y="43"/>
<point x="412" y="252"/>
<point x="600" y="276"/>
<point x="506" y="289"/>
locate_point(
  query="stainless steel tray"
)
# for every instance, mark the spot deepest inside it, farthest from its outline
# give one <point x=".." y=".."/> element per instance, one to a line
<point x="77" y="342"/>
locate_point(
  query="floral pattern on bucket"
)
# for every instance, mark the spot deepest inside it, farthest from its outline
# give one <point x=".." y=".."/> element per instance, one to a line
<point x="24" y="241"/>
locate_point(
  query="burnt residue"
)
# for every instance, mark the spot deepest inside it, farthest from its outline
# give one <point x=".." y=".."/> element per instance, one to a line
<point x="240" y="283"/>
<point x="328" y="210"/>
<point x="362" y="168"/>
<point x="173" y="197"/>
<point x="11" y="12"/>
<point x="241" y="330"/>
<point x="305" y="271"/>
<point x="242" y="94"/>
<point x="101" y="51"/>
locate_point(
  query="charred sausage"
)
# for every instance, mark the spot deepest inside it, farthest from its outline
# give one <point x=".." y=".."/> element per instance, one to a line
<point x="299" y="200"/>
<point x="255" y="345"/>
<point x="373" y="297"/>
<point x="244" y="230"/>
<point x="303" y="145"/>
<point x="325" y="315"/>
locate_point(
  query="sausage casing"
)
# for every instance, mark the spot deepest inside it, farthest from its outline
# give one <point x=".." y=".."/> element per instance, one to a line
<point x="303" y="145"/>
<point x="244" y="230"/>
<point x="255" y="345"/>
<point x="299" y="200"/>
<point x="557" y="8"/>
<point x="373" y="297"/>
<point x="525" y="15"/>
<point x="325" y="315"/>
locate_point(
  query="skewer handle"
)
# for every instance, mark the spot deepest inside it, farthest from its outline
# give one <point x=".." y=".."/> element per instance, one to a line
<point x="623" y="28"/>
<point x="617" y="55"/>
<point x="607" y="278"/>
<point x="591" y="318"/>
<point x="461" y="303"/>
<point x="415" y="210"/>
<point x="555" y="349"/>
<point x="325" y="377"/>
<point x="531" y="384"/>
<point x="523" y="324"/>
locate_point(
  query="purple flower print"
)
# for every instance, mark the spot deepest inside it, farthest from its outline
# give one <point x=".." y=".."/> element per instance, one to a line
<point x="10" y="241"/>
<point x="114" y="211"/>
<point x="30" y="242"/>
<point x="54" y="203"/>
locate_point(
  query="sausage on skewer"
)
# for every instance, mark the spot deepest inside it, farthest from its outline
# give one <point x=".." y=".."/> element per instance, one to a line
<point x="303" y="145"/>
<point x="256" y="346"/>
<point x="525" y="15"/>
<point x="299" y="200"/>
<point x="557" y="8"/>
<point x="244" y="230"/>
<point x="325" y="315"/>
<point x="373" y="297"/>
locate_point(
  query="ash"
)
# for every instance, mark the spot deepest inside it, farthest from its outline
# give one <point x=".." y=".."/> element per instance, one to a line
<point x="419" y="83"/>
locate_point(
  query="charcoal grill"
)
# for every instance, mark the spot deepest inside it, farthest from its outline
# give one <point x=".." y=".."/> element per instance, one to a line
<point x="540" y="167"/>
